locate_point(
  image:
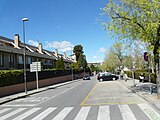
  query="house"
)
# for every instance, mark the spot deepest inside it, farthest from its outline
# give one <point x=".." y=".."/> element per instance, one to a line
<point x="12" y="54"/>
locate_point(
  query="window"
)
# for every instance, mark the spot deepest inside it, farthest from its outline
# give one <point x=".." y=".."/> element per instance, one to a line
<point x="49" y="62"/>
<point x="20" y="59"/>
<point x="1" y="59"/>
<point x="29" y="60"/>
<point x="11" y="59"/>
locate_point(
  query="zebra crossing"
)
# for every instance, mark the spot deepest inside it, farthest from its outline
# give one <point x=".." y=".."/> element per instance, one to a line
<point x="102" y="113"/>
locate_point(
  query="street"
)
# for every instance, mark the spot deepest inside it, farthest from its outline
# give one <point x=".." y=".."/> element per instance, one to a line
<point x="82" y="100"/>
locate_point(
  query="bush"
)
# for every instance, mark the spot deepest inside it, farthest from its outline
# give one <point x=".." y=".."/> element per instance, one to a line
<point x="137" y="73"/>
<point x="8" y="77"/>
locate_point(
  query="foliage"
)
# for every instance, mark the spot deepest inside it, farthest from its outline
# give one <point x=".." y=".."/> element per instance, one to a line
<point x="92" y="67"/>
<point x="116" y="57"/>
<point x="78" y="50"/>
<point x="60" y="64"/>
<point x="75" y="66"/>
<point x="80" y="57"/>
<point x="137" y="73"/>
<point x="135" y="20"/>
<point x="11" y="77"/>
<point x="111" y="62"/>
<point x="118" y="49"/>
<point x="95" y="68"/>
<point x="8" y="77"/>
<point x="82" y="61"/>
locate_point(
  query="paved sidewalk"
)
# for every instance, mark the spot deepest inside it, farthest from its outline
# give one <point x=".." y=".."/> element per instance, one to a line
<point x="23" y="94"/>
<point x="151" y="98"/>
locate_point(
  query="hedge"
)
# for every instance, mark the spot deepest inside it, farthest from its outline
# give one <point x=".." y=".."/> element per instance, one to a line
<point x="137" y="73"/>
<point x="10" y="77"/>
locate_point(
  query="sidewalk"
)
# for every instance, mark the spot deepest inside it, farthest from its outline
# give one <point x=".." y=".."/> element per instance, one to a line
<point x="151" y="98"/>
<point x="23" y="94"/>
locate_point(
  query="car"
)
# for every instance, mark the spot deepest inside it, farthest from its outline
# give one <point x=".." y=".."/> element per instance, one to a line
<point x="99" y="75"/>
<point x="87" y="77"/>
<point x="106" y="77"/>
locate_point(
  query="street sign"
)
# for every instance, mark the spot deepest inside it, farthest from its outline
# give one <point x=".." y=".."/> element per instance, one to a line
<point x="35" y="66"/>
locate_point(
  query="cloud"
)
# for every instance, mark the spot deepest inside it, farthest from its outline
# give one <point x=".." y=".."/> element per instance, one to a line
<point x="32" y="42"/>
<point x="102" y="50"/>
<point x="94" y="57"/>
<point x="62" y="46"/>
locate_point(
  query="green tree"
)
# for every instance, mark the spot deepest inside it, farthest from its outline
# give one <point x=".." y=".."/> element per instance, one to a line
<point x="82" y="62"/>
<point x="75" y="66"/>
<point x="119" y="50"/>
<point x="92" y="67"/>
<point x="78" y="50"/>
<point x="135" y="20"/>
<point x="60" y="64"/>
<point x="111" y="62"/>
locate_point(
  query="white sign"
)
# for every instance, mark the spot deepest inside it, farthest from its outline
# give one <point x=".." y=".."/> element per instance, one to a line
<point x="35" y="66"/>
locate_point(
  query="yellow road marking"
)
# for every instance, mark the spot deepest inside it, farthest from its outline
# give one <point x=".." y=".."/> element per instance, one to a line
<point x="101" y="96"/>
<point x="112" y="103"/>
<point x="89" y="94"/>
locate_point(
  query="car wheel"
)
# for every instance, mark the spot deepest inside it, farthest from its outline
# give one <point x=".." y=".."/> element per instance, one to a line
<point x="113" y="78"/>
<point x="101" y="80"/>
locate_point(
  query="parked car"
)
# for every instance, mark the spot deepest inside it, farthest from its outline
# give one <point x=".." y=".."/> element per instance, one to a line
<point x="106" y="76"/>
<point x="87" y="77"/>
<point x="99" y="75"/>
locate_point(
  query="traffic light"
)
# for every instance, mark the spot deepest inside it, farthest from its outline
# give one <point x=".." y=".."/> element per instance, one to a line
<point x="146" y="56"/>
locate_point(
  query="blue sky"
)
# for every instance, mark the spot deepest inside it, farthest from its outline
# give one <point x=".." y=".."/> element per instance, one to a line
<point x="58" y="24"/>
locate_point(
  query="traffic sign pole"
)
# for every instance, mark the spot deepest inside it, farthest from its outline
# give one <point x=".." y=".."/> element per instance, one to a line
<point x="37" y="75"/>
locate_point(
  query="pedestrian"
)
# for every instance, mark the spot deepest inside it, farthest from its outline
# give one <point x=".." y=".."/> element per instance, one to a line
<point x="141" y="77"/>
<point x="125" y="77"/>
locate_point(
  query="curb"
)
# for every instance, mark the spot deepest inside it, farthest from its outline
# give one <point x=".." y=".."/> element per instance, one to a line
<point x="42" y="90"/>
<point x="148" y="100"/>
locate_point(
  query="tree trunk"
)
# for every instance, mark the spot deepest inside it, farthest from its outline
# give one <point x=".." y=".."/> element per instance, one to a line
<point x="156" y="60"/>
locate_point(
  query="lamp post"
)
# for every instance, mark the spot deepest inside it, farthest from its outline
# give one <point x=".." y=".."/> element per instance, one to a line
<point x="24" y="54"/>
<point x="72" y="66"/>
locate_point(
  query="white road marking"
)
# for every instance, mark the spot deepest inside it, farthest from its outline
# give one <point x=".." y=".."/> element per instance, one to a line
<point x="44" y="114"/>
<point x="26" y="114"/>
<point x="150" y="112"/>
<point x="4" y="110"/>
<point x="25" y="99"/>
<point x="63" y="113"/>
<point x="103" y="113"/>
<point x="11" y="113"/>
<point x="83" y="113"/>
<point x="126" y="112"/>
<point x="56" y="95"/>
<point x="19" y="105"/>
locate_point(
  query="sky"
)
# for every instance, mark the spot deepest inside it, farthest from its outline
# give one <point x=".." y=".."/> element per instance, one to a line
<point x="58" y="24"/>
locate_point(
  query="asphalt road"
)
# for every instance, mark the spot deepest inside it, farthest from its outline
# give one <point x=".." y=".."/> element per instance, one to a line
<point x="82" y="100"/>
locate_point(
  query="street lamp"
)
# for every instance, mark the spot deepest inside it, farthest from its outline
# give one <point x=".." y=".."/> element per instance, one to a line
<point x="72" y="66"/>
<point x="24" y="54"/>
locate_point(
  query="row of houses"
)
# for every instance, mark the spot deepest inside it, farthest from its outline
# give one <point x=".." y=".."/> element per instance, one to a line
<point x="12" y="52"/>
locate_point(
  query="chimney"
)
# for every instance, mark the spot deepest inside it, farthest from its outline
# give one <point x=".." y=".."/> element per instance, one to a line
<point x="65" y="56"/>
<point x="56" y="52"/>
<point x="40" y="47"/>
<point x="16" y="40"/>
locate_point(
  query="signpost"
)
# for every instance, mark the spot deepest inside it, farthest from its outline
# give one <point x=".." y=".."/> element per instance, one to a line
<point x="35" y="67"/>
